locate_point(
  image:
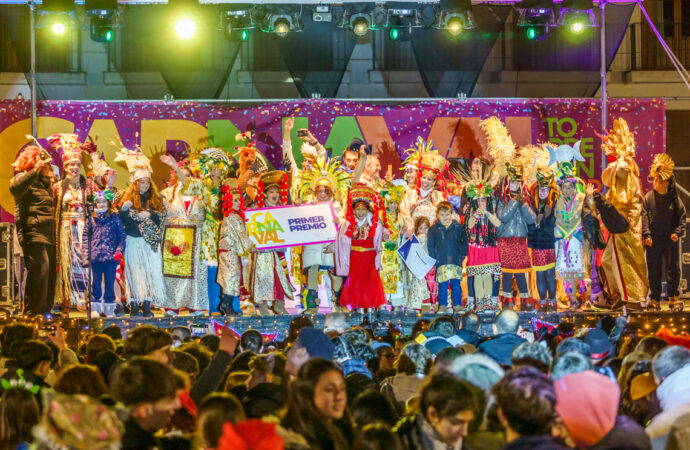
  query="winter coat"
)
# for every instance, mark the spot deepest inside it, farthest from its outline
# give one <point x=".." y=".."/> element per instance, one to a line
<point x="500" y="347"/>
<point x="541" y="236"/>
<point x="447" y="245"/>
<point x="468" y="336"/>
<point x="514" y="219"/>
<point x="662" y="215"/>
<point x="679" y="436"/>
<point x="674" y="398"/>
<point x="625" y="434"/>
<point x="107" y="238"/>
<point x="34" y="212"/>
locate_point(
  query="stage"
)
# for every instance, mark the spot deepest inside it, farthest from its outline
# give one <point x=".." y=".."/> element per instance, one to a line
<point x="276" y="327"/>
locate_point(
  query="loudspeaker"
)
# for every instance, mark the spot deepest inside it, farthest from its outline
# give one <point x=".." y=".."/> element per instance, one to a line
<point x="7" y="283"/>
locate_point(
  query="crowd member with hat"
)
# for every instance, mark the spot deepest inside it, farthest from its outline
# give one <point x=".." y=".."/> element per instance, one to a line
<point x="310" y="343"/>
<point x="141" y="212"/>
<point x="73" y="203"/>
<point x="587" y="404"/>
<point x="663" y="223"/>
<point x="601" y="347"/>
<point x="323" y="180"/>
<point x="671" y="367"/>
<point x="34" y="218"/>
<point x="270" y="281"/>
<point x="358" y="249"/>
<point x="234" y="247"/>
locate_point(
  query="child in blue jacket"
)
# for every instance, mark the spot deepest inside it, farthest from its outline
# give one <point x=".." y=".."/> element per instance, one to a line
<point x="107" y="245"/>
<point x="447" y="244"/>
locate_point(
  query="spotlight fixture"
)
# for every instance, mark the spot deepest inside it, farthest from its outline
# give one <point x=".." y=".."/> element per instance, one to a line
<point x="402" y="17"/>
<point x="360" y="24"/>
<point x="537" y="17"/>
<point x="455" y="16"/>
<point x="103" y="14"/>
<point x="185" y="28"/>
<point x="237" y="25"/>
<point x="281" y="24"/>
<point x="577" y="15"/>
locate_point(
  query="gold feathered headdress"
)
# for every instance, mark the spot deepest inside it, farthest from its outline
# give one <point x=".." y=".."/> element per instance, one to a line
<point x="662" y="167"/>
<point x="619" y="143"/>
<point x="500" y="145"/>
<point x="414" y="154"/>
<point x="477" y="184"/>
<point x="535" y="160"/>
<point x="324" y="172"/>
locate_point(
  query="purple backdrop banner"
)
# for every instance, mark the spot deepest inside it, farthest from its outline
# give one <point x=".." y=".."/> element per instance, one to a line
<point x="173" y="127"/>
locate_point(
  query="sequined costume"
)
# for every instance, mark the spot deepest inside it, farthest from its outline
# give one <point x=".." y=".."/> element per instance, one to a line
<point x="233" y="245"/>
<point x="418" y="289"/>
<point x="184" y="271"/>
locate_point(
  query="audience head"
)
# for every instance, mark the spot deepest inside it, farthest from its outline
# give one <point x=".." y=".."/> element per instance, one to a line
<point x="113" y="331"/>
<point x="251" y="341"/>
<point x="181" y="334"/>
<point x="215" y="410"/>
<point x="533" y="354"/>
<point x="19" y="413"/>
<point x="448" y="405"/>
<point x="570" y="362"/>
<point x="34" y="356"/>
<point x="526" y="402"/>
<point x="587" y="403"/>
<point x="446" y="357"/>
<point x="202" y="355"/>
<point x="372" y="406"/>
<point x="414" y="358"/>
<point x="81" y="379"/>
<point x="506" y="321"/>
<point x="96" y="344"/>
<point x="311" y="343"/>
<point x="296" y="325"/>
<point x="149" y="341"/>
<point x="211" y="342"/>
<point x="602" y="348"/>
<point x="150" y="389"/>
<point x="651" y="345"/>
<point x="471" y="322"/>
<point x="443" y="325"/>
<point x="669" y="360"/>
<point x="477" y="369"/>
<point x="334" y="324"/>
<point x="12" y="334"/>
<point x="184" y="362"/>
<point x="573" y="345"/>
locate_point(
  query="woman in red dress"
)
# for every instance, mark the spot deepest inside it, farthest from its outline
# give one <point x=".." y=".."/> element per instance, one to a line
<point x="358" y="250"/>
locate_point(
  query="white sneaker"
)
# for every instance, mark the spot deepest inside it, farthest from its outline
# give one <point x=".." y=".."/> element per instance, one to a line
<point x="171" y="313"/>
<point x="197" y="313"/>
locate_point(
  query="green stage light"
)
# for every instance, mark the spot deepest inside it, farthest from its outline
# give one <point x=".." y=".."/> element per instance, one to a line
<point x="394" y="34"/>
<point x="245" y="35"/>
<point x="531" y="33"/>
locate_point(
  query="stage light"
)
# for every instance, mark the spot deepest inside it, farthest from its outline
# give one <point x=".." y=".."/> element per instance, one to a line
<point x="185" y="28"/>
<point x="537" y="17"/>
<point x="457" y="22"/>
<point x="245" y="35"/>
<point x="281" y="27"/>
<point x="402" y="17"/>
<point x="577" y="21"/>
<point x="237" y="25"/>
<point x="102" y="29"/>
<point x="360" y="24"/>
<point x="58" y="28"/>
<point x="394" y="33"/>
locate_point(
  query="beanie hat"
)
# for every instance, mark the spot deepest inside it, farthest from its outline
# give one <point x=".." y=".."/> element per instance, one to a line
<point x="316" y="342"/>
<point x="587" y="402"/>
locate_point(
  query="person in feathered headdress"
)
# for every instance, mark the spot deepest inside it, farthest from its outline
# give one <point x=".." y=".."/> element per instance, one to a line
<point x="358" y="248"/>
<point x="185" y="266"/>
<point x="392" y="195"/>
<point x="311" y="150"/>
<point x="483" y="266"/>
<point x="252" y="165"/>
<point x="540" y="234"/>
<point x="623" y="261"/>
<point x="270" y="281"/>
<point x="73" y="199"/>
<point x="141" y="212"/>
<point x="513" y="211"/>
<point x="429" y="189"/>
<point x="34" y="218"/>
<point x="323" y="181"/>
<point x="571" y="247"/>
<point x="663" y="222"/>
<point x="234" y="247"/>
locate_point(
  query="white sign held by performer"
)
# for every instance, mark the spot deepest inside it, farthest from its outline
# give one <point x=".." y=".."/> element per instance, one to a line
<point x="415" y="258"/>
<point x="291" y="226"/>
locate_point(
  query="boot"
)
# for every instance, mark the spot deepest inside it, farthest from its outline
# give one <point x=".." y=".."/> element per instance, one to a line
<point x="469" y="307"/>
<point x="109" y="310"/>
<point x="552" y="305"/>
<point x="264" y="309"/>
<point x="134" y="311"/>
<point x="119" y="310"/>
<point x="336" y="303"/>
<point x="527" y="304"/>
<point x="236" y="306"/>
<point x="543" y="305"/>
<point x="312" y="303"/>
<point x="225" y="306"/>
<point x="279" y="308"/>
<point x="146" y="309"/>
<point x="96" y="310"/>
